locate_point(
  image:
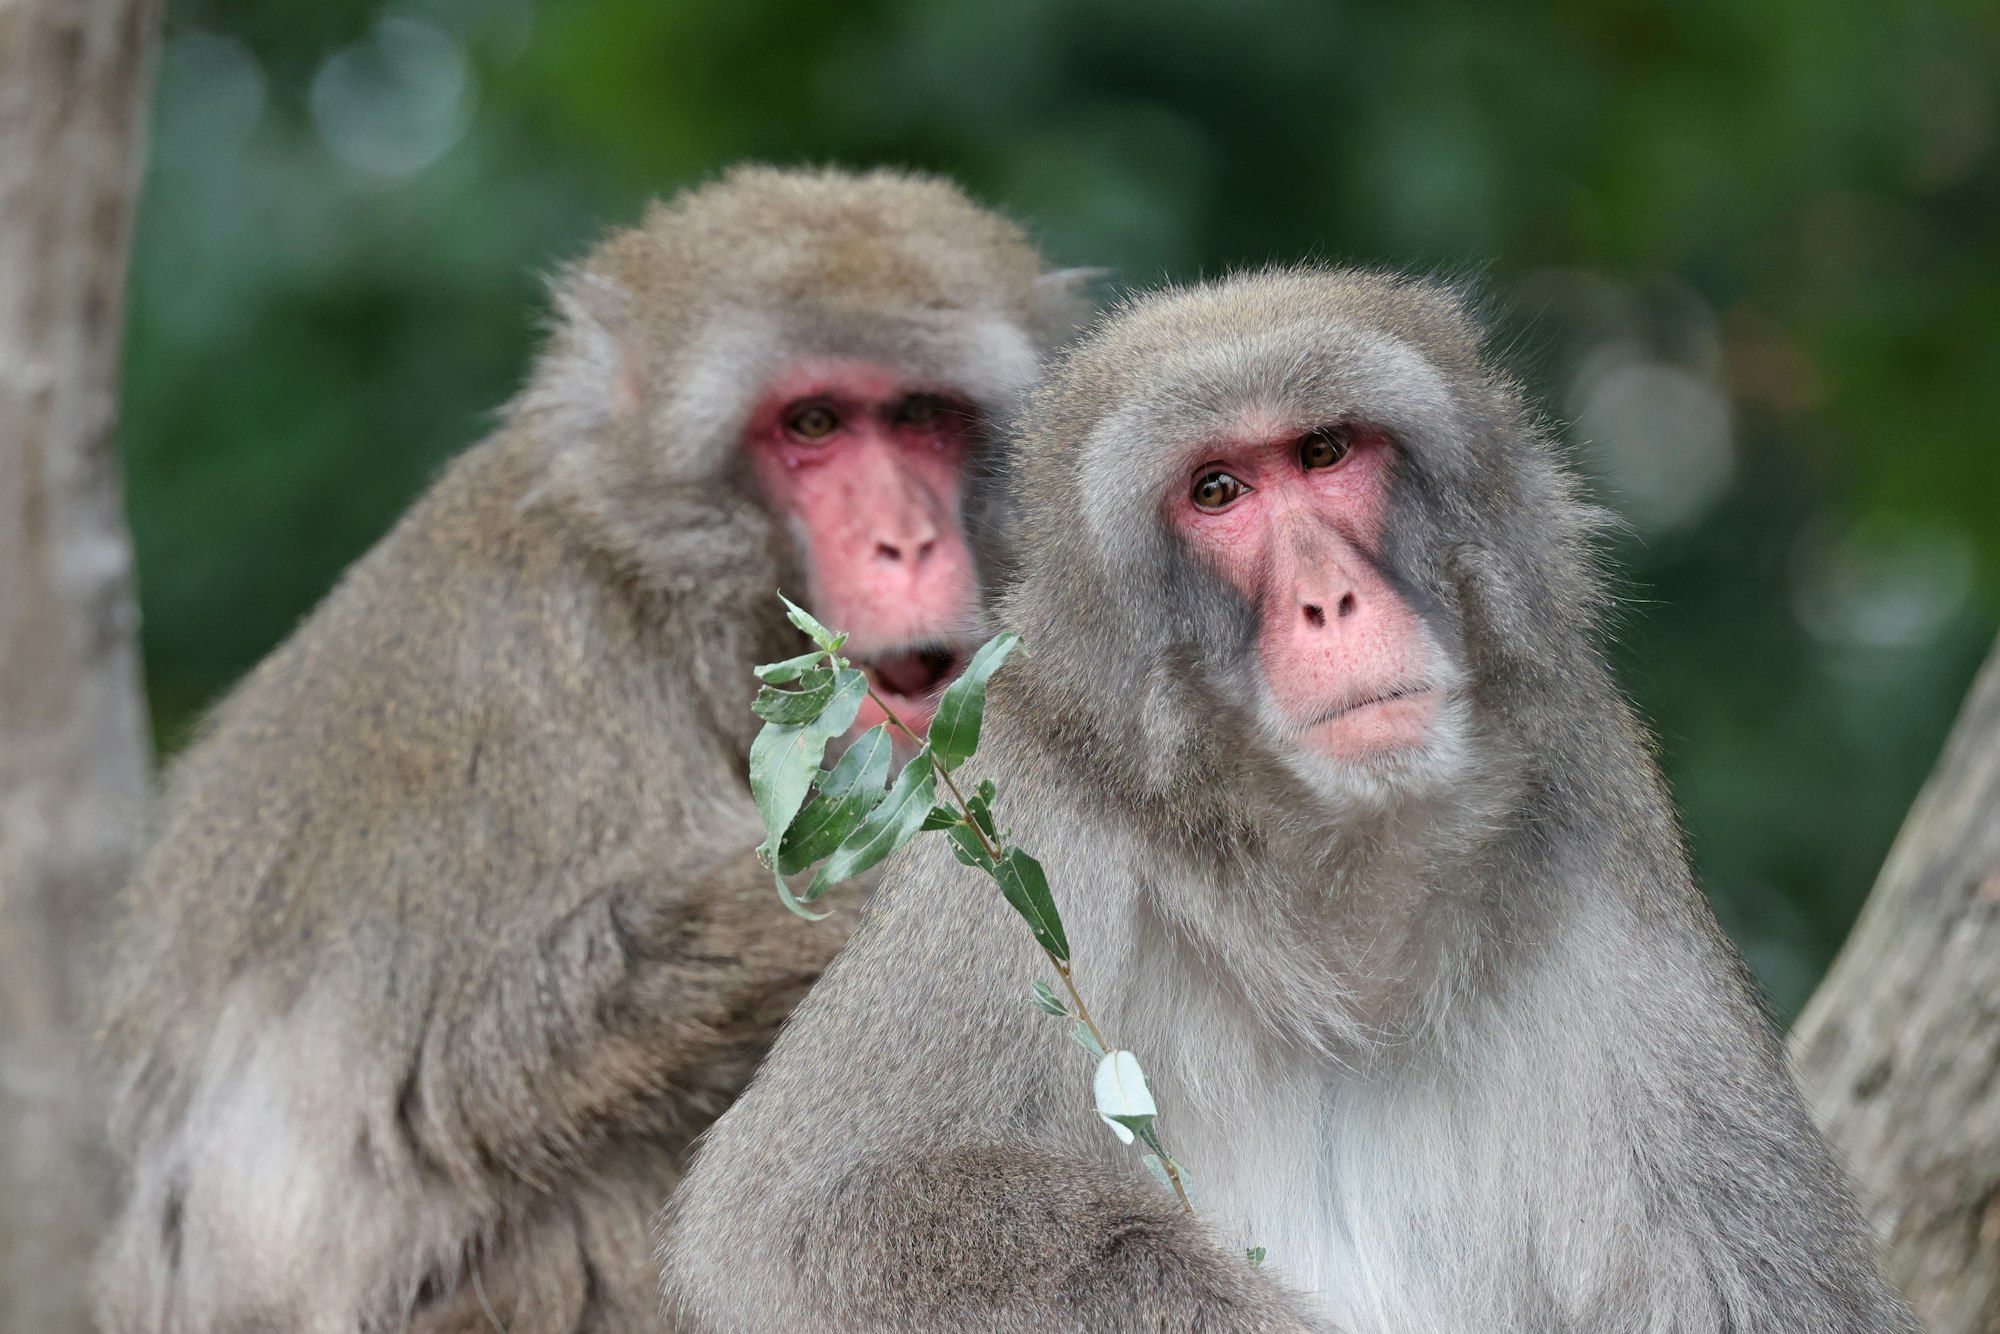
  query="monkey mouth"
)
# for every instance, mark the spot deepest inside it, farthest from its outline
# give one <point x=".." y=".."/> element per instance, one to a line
<point x="1345" y="707"/>
<point x="1374" y="724"/>
<point x="909" y="680"/>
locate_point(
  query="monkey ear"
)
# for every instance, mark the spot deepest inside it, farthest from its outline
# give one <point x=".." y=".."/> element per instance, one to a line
<point x="583" y="378"/>
<point x="1068" y="301"/>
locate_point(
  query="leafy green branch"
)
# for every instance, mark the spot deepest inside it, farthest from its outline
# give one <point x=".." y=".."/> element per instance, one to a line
<point x="848" y="818"/>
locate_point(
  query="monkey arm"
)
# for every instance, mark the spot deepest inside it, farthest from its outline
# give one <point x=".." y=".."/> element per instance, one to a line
<point x="1746" y="1201"/>
<point x="991" y="1236"/>
<point x="1715" y="1199"/>
<point x="1012" y="1236"/>
<point x="644" y="1008"/>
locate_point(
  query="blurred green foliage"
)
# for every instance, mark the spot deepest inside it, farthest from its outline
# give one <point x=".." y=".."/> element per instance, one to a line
<point x="1743" y="249"/>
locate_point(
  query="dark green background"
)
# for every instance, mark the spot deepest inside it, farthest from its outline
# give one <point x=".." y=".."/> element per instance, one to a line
<point x="1746" y="251"/>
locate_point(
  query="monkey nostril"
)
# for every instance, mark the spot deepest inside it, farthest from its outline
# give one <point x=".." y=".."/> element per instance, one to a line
<point x="1346" y="607"/>
<point x="911" y="551"/>
<point x="1315" y="615"/>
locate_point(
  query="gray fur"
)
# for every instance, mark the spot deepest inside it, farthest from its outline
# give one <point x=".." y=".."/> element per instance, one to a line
<point x="449" y="937"/>
<point x="1453" y="1035"/>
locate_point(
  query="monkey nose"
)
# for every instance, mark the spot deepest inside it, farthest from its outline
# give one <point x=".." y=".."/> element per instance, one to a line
<point x="911" y="551"/>
<point x="1315" y="612"/>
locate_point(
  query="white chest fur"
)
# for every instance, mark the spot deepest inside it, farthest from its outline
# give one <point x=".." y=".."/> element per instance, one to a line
<point x="1266" y="1180"/>
<point x="1257" y="1128"/>
<point x="1422" y="1197"/>
<point x="1354" y="1189"/>
<point x="1350" y="1197"/>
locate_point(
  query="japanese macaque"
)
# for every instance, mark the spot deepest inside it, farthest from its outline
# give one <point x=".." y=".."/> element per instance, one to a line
<point x="1363" y="854"/>
<point x="451" y="935"/>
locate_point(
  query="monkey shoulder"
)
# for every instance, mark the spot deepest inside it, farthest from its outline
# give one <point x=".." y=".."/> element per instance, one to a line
<point x="475" y="724"/>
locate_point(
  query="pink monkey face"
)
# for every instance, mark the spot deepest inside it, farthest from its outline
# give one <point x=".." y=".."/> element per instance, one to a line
<point x="869" y="469"/>
<point x="1293" y="520"/>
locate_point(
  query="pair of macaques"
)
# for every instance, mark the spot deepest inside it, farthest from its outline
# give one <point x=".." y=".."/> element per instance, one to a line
<point x="450" y="940"/>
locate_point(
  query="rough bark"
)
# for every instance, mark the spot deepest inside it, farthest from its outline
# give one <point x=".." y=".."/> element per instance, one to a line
<point x="1900" y="1049"/>
<point x="74" y="79"/>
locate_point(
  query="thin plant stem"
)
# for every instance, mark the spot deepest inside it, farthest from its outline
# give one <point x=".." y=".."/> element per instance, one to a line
<point x="1152" y="1138"/>
<point x="1082" y="1011"/>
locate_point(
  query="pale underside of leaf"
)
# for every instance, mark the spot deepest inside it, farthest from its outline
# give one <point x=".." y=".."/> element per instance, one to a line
<point x="1123" y="1099"/>
<point x="791" y="669"/>
<point x="809" y="623"/>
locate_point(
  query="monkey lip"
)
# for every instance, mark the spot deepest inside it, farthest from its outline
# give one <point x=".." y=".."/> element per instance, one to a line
<point x="1375" y="724"/>
<point x="1340" y="711"/>
<point x="910" y="679"/>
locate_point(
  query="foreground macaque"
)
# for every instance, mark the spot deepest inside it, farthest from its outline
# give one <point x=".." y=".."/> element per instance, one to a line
<point x="1359" y="849"/>
<point x="451" y="936"/>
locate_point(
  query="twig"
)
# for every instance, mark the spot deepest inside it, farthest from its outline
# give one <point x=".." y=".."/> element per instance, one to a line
<point x="1152" y="1138"/>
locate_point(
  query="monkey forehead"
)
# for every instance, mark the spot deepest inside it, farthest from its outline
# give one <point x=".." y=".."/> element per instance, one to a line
<point x="776" y="238"/>
<point x="739" y="355"/>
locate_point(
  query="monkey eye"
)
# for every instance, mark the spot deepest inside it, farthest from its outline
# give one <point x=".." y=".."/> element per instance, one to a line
<point x="922" y="411"/>
<point x="1215" y="490"/>
<point x="814" y="421"/>
<point x="1324" y="448"/>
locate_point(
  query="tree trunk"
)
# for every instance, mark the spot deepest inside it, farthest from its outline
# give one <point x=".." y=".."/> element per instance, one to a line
<point x="1900" y="1049"/>
<point x="75" y="76"/>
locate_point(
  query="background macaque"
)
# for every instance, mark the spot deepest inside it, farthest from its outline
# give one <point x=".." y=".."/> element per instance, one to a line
<point x="1359" y="849"/>
<point x="451" y="937"/>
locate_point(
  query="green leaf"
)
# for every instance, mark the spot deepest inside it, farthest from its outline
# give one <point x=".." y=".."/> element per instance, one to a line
<point x="980" y="807"/>
<point x="795" y="706"/>
<point x="791" y="669"/>
<point x="784" y="759"/>
<point x="965" y="846"/>
<point x="1087" y="1040"/>
<point x="1027" y="888"/>
<point x="1255" y="1255"/>
<point x="805" y="620"/>
<point x="791" y="901"/>
<point x="954" y="734"/>
<point x="843" y="801"/>
<point x="1158" y="1167"/>
<point x="1047" y="1001"/>
<point x="889" y="826"/>
<point x="941" y="817"/>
